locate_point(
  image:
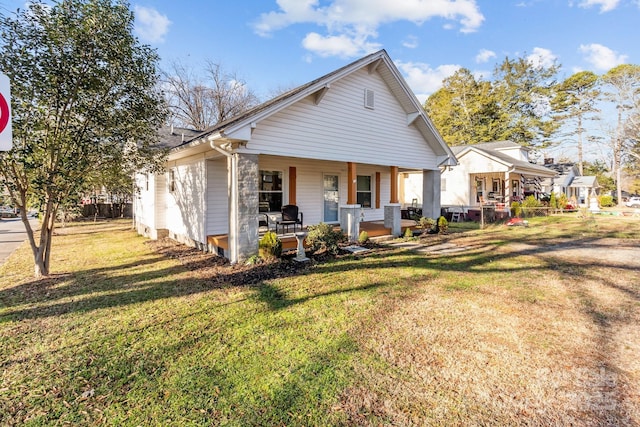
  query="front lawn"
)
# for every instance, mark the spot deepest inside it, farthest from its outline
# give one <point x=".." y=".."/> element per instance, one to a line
<point x="525" y="326"/>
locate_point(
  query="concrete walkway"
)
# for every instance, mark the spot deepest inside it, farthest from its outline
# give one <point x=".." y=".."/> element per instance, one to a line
<point x="438" y="248"/>
<point x="12" y="234"/>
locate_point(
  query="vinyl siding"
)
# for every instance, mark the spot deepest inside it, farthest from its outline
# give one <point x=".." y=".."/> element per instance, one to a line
<point x="340" y="128"/>
<point x="185" y="207"/>
<point x="217" y="197"/>
<point x="144" y="201"/>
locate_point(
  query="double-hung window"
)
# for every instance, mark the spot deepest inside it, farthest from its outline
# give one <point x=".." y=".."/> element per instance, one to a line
<point x="363" y="191"/>
<point x="270" y="191"/>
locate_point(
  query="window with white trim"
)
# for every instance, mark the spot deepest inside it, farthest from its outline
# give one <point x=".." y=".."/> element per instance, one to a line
<point x="363" y="191"/>
<point x="172" y="180"/>
<point x="270" y="191"/>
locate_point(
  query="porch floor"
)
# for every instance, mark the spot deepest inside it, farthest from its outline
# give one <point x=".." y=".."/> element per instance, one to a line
<point x="373" y="229"/>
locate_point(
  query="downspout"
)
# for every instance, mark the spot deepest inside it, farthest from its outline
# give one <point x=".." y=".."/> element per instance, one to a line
<point x="233" y="205"/>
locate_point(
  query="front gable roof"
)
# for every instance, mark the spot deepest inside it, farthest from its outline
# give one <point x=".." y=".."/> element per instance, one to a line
<point x="239" y="128"/>
<point x="586" y="181"/>
<point x="517" y="166"/>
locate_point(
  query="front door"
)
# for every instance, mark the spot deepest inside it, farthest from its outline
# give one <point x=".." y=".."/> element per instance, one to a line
<point x="330" y="198"/>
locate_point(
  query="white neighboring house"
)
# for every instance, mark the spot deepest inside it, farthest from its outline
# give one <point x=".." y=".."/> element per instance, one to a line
<point x="492" y="173"/>
<point x="335" y="147"/>
<point x="570" y="183"/>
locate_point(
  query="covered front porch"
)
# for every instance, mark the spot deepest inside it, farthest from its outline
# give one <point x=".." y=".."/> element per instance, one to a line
<point x="349" y="195"/>
<point x="491" y="194"/>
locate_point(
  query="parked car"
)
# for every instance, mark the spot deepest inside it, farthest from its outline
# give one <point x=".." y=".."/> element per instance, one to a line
<point x="633" y="202"/>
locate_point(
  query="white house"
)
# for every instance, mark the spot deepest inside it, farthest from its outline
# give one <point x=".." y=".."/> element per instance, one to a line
<point x="569" y="182"/>
<point x="492" y="173"/>
<point x="335" y="147"/>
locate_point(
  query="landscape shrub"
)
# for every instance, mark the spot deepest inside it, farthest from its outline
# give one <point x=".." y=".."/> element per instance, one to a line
<point x="270" y="246"/>
<point x="408" y="234"/>
<point x="427" y="224"/>
<point x="443" y="225"/>
<point x="562" y="201"/>
<point x="532" y="207"/>
<point x="606" y="201"/>
<point x="553" y="202"/>
<point x="363" y="237"/>
<point x="516" y="209"/>
<point x="323" y="237"/>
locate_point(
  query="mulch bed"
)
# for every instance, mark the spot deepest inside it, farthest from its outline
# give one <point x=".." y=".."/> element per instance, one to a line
<point x="218" y="269"/>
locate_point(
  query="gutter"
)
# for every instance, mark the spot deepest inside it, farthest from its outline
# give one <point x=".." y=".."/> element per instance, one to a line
<point x="233" y="203"/>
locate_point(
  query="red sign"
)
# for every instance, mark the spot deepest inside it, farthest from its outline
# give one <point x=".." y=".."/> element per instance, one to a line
<point x="5" y="114"/>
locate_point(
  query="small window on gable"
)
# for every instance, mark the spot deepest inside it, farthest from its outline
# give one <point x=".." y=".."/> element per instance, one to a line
<point x="369" y="99"/>
<point x="146" y="182"/>
<point x="172" y="180"/>
<point x="443" y="184"/>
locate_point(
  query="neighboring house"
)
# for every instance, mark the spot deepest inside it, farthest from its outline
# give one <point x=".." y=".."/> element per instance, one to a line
<point x="496" y="173"/>
<point x="335" y="147"/>
<point x="569" y="182"/>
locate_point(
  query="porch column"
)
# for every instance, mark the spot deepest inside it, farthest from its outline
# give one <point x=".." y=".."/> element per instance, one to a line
<point x="293" y="177"/>
<point x="507" y="191"/>
<point x="350" y="213"/>
<point x="392" y="214"/>
<point x="431" y="193"/>
<point x="393" y="170"/>
<point x="352" y="181"/>
<point x="243" y="206"/>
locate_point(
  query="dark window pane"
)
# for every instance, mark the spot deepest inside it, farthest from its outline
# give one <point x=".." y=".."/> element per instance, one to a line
<point x="364" y="183"/>
<point x="364" y="199"/>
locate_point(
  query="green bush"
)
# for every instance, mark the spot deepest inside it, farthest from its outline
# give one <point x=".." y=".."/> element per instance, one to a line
<point x="427" y="224"/>
<point x="270" y="246"/>
<point x="606" y="201"/>
<point x="324" y="237"/>
<point x="531" y="202"/>
<point x="516" y="209"/>
<point x="408" y="233"/>
<point x="562" y="201"/>
<point x="443" y="225"/>
<point x="363" y="237"/>
<point x="553" y="202"/>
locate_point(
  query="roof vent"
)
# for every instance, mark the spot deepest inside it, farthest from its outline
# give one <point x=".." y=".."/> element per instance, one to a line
<point x="368" y="98"/>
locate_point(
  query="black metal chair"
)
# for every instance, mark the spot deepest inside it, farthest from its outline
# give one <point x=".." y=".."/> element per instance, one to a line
<point x="290" y="216"/>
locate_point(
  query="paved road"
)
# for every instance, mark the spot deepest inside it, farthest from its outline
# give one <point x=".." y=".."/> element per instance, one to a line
<point x="12" y="234"/>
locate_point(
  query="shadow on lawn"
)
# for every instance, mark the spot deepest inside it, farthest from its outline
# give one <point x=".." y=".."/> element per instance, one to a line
<point x="131" y="288"/>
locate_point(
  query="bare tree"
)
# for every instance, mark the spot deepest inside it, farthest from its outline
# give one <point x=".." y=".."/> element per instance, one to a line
<point x="623" y="89"/>
<point x="199" y="100"/>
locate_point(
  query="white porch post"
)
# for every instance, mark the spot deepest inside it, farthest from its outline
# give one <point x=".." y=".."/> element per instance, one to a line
<point x="431" y="193"/>
<point x="507" y="191"/>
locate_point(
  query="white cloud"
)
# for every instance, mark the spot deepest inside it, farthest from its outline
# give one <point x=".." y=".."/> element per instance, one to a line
<point x="423" y="79"/>
<point x="542" y="57"/>
<point x="601" y="57"/>
<point x="484" y="56"/>
<point x="359" y="20"/>
<point x="343" y="45"/>
<point x="150" y="25"/>
<point x="411" y="42"/>
<point x="605" y="5"/>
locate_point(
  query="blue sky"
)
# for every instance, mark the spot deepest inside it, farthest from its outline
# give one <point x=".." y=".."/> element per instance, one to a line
<point x="283" y="43"/>
<point x="274" y="44"/>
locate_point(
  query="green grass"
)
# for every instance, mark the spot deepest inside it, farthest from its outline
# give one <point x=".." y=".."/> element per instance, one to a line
<point x="120" y="335"/>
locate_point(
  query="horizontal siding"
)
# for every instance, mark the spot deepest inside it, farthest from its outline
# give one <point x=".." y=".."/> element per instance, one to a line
<point x="144" y="200"/>
<point x="185" y="205"/>
<point x="340" y="128"/>
<point x="160" y="191"/>
<point x="217" y="197"/>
